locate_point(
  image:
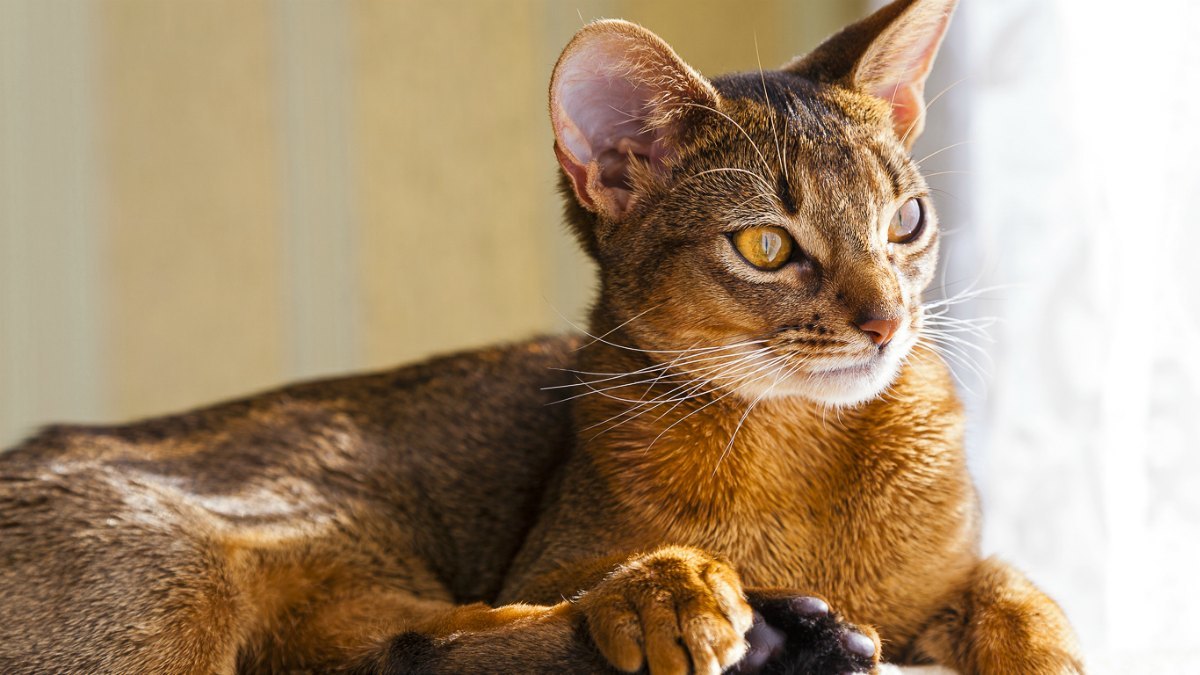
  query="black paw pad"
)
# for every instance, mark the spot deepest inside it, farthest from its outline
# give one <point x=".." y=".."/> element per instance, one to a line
<point x="800" y="635"/>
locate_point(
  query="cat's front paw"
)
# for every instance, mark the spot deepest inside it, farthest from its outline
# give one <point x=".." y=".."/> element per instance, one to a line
<point x="676" y="610"/>
<point x="795" y="634"/>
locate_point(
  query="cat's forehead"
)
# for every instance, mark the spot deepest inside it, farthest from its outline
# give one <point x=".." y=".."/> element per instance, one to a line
<point x="824" y="150"/>
<point x="818" y="111"/>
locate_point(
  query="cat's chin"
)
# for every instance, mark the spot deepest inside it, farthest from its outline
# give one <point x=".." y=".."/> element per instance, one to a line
<point x="842" y="387"/>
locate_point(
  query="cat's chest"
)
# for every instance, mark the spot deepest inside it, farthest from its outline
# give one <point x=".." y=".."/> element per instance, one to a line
<point x="804" y="506"/>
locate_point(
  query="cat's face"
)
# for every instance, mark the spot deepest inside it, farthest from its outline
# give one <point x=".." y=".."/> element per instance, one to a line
<point x="767" y="231"/>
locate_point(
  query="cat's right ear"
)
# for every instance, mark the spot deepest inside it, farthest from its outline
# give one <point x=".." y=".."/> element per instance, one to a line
<point x="620" y="99"/>
<point x="888" y="55"/>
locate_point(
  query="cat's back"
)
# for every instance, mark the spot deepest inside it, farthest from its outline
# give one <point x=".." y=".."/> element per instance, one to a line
<point x="435" y="405"/>
<point x="466" y="440"/>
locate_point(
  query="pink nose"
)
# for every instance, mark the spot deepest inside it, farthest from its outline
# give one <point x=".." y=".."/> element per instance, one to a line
<point x="880" y="330"/>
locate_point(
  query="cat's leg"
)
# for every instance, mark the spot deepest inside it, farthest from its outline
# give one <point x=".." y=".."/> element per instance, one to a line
<point x="389" y="633"/>
<point x="662" y="610"/>
<point x="790" y="635"/>
<point x="679" y="609"/>
<point x="97" y="576"/>
<point x="673" y="610"/>
<point x="669" y="609"/>
<point x="999" y="624"/>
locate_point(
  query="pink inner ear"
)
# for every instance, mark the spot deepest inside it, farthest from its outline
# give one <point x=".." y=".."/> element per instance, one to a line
<point x="908" y="104"/>
<point x="899" y="60"/>
<point x="600" y="115"/>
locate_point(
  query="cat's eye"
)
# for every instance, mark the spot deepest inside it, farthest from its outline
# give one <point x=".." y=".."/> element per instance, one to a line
<point x="907" y="223"/>
<point x="767" y="247"/>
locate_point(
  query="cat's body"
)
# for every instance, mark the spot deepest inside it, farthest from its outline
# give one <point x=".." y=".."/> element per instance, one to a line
<point x="421" y="480"/>
<point x="753" y="408"/>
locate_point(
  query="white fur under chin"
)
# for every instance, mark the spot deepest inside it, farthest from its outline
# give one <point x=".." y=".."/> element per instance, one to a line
<point x="834" y="389"/>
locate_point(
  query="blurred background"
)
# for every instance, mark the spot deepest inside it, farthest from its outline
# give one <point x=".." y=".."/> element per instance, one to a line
<point x="204" y="198"/>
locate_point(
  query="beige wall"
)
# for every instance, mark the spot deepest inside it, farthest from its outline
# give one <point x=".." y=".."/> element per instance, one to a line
<point x="201" y="198"/>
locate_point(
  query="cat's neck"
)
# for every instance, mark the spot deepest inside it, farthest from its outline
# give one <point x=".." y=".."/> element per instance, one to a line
<point x="673" y="440"/>
<point x="641" y="402"/>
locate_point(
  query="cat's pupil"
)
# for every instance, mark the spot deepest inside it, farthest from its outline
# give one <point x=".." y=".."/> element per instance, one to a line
<point x="771" y="244"/>
<point x="767" y="247"/>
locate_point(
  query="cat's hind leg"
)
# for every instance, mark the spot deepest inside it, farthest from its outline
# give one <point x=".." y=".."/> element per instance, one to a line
<point x="99" y="576"/>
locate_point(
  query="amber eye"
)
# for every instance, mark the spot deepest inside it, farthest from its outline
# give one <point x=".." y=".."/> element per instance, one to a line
<point x="767" y="248"/>
<point x="906" y="225"/>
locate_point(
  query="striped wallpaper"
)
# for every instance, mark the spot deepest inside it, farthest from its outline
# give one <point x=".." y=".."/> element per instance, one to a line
<point x="201" y="198"/>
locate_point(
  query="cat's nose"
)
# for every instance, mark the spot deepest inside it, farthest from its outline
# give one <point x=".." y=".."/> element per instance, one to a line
<point x="879" y="330"/>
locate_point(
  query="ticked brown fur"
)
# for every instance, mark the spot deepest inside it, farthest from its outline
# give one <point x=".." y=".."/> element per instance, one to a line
<point x="728" y="430"/>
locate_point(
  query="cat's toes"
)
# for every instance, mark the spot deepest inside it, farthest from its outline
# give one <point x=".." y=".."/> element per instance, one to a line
<point x="674" y="611"/>
<point x="858" y="644"/>
<point x="801" y="634"/>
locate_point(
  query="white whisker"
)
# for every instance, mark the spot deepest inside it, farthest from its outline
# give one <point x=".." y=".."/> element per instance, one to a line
<point x="685" y="359"/>
<point x="749" y="409"/>
<point x="921" y="115"/>
<point x="714" y="368"/>
<point x="692" y="389"/>
<point x="620" y="326"/>
<point x="766" y="366"/>
<point x="774" y="132"/>
<point x="935" y="153"/>
<point x="761" y="156"/>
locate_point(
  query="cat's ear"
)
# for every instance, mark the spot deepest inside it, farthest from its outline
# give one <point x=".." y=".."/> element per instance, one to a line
<point x="620" y="101"/>
<point x="889" y="55"/>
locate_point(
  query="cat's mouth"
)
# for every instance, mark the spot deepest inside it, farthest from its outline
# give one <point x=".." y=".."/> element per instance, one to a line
<point x="841" y="381"/>
<point x="848" y="385"/>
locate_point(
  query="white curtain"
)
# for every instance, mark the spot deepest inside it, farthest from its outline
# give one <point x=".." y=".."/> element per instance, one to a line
<point x="1073" y="210"/>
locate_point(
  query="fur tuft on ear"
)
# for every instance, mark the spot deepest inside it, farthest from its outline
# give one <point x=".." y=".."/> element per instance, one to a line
<point x="888" y="55"/>
<point x="619" y="96"/>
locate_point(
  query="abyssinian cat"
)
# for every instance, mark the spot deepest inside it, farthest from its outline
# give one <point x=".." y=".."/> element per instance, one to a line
<point x="763" y="242"/>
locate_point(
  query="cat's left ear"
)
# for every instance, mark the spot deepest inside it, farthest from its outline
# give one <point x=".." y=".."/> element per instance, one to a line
<point x="620" y="103"/>
<point x="888" y="55"/>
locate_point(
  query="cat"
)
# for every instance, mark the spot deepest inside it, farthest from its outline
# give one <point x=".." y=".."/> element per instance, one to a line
<point x="759" y="467"/>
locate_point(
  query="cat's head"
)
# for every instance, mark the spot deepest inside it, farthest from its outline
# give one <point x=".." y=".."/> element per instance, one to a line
<point x="769" y="229"/>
